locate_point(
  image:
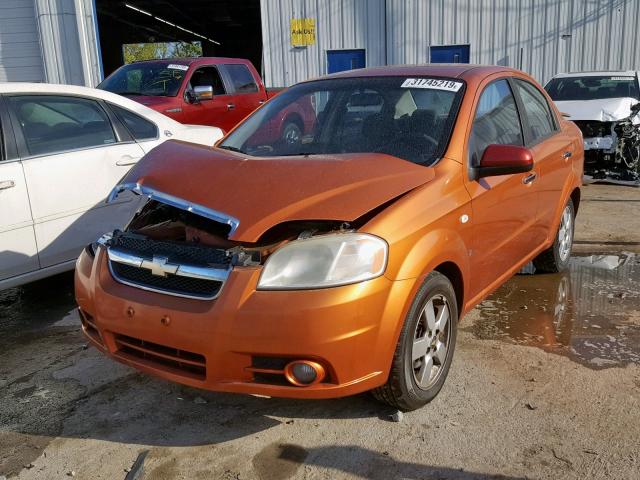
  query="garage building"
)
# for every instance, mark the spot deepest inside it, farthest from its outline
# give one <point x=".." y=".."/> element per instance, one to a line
<point x="80" y="41"/>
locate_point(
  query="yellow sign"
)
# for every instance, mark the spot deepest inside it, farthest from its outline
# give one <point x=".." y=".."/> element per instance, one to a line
<point x="303" y="32"/>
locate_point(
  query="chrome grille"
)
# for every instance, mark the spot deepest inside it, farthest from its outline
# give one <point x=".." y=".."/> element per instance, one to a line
<point x="191" y="271"/>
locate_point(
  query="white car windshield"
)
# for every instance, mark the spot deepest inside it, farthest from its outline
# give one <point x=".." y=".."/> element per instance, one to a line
<point x="592" y="88"/>
<point x="410" y="118"/>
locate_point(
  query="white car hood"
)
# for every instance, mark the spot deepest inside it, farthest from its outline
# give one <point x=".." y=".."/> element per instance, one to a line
<point x="198" y="134"/>
<point x="602" y="110"/>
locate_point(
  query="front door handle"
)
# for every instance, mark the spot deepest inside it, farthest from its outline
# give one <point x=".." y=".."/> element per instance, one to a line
<point x="566" y="155"/>
<point x="530" y="178"/>
<point x="230" y="106"/>
<point x="127" y="160"/>
<point x="5" y="184"/>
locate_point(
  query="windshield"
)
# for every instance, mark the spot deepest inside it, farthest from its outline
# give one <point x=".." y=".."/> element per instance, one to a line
<point x="410" y="118"/>
<point x="592" y="88"/>
<point x="147" y="78"/>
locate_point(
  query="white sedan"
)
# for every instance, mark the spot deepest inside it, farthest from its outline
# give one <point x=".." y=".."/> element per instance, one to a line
<point x="62" y="149"/>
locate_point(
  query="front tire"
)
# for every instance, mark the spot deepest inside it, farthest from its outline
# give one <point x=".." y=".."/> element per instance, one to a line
<point x="556" y="258"/>
<point x="425" y="347"/>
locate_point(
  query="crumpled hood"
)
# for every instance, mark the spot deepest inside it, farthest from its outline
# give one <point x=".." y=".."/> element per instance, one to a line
<point x="263" y="192"/>
<point x="602" y="110"/>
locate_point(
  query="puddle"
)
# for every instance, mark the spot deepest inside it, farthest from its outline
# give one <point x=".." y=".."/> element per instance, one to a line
<point x="25" y="310"/>
<point x="591" y="313"/>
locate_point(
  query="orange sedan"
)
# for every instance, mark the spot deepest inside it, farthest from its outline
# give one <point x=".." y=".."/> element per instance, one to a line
<point x="341" y="260"/>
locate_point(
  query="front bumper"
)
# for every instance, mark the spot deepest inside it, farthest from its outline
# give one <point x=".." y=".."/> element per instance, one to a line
<point x="351" y="331"/>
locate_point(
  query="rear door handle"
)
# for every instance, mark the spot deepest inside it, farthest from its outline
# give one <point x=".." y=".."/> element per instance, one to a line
<point x="530" y="178"/>
<point x="6" y="184"/>
<point x="127" y="160"/>
<point x="230" y="106"/>
<point x="260" y="102"/>
<point x="567" y="155"/>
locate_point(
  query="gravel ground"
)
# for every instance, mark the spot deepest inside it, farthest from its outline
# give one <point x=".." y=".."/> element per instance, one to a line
<point x="545" y="384"/>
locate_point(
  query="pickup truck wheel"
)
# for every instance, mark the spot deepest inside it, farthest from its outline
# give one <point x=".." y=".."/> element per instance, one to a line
<point x="556" y="258"/>
<point x="425" y="348"/>
<point x="292" y="134"/>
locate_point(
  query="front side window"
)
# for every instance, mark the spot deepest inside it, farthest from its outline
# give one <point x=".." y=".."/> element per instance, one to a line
<point x="52" y="124"/>
<point x="161" y="79"/>
<point x="409" y="118"/>
<point x="139" y="127"/>
<point x="496" y="120"/>
<point x="207" y="77"/>
<point x="243" y="81"/>
<point x="536" y="109"/>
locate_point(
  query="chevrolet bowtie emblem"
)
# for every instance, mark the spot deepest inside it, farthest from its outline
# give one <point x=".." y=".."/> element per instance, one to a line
<point x="159" y="266"/>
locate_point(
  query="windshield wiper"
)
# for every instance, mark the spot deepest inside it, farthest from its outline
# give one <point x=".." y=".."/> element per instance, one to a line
<point x="232" y="149"/>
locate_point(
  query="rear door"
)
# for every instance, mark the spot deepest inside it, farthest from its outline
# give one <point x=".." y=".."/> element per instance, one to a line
<point x="73" y="153"/>
<point x="247" y="95"/>
<point x="552" y="150"/>
<point x="504" y="207"/>
<point x="18" y="250"/>
<point x="213" y="112"/>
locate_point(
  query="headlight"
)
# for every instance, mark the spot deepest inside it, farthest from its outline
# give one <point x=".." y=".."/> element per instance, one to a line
<point x="325" y="261"/>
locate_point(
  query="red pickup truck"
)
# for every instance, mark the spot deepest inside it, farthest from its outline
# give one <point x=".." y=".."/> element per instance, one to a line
<point x="212" y="91"/>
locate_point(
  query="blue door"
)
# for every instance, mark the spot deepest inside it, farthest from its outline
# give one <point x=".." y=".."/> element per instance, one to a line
<point x="450" y="54"/>
<point x="341" y="60"/>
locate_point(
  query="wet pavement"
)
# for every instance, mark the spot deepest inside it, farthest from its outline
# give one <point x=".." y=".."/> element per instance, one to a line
<point x="590" y="313"/>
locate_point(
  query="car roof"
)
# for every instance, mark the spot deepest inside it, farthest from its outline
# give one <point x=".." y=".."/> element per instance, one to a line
<point x="196" y="61"/>
<point x="463" y="71"/>
<point x="58" y="89"/>
<point x="612" y="73"/>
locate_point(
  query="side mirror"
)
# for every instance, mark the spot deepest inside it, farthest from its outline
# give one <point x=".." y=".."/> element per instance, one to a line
<point x="203" y="92"/>
<point x="504" y="160"/>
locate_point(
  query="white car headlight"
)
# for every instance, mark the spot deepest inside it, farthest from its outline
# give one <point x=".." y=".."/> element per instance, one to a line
<point x="325" y="261"/>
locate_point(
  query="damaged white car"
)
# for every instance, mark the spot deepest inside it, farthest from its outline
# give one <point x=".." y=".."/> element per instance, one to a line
<point x="605" y="106"/>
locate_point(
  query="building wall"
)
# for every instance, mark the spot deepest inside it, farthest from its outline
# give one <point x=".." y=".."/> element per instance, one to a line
<point x="20" y="56"/>
<point x="340" y="24"/>
<point x="542" y="37"/>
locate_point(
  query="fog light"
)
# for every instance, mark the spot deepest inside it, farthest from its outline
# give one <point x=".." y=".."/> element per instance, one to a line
<point x="303" y="373"/>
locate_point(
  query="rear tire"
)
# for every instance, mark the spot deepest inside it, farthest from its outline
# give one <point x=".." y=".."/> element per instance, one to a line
<point x="292" y="133"/>
<point x="556" y="258"/>
<point x="425" y="347"/>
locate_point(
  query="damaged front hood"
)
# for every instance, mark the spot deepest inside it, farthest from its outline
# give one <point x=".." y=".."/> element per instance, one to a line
<point x="254" y="194"/>
<point x="601" y="110"/>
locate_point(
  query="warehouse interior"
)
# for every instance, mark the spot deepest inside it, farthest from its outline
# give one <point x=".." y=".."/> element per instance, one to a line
<point x="223" y="27"/>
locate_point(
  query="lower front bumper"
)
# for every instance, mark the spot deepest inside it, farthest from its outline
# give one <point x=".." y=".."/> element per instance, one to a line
<point x="240" y="341"/>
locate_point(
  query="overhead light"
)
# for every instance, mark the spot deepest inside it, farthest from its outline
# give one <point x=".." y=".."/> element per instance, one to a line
<point x="171" y="24"/>
<point x="137" y="9"/>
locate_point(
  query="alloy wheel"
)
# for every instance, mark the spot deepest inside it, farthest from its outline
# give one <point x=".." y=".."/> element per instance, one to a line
<point x="565" y="234"/>
<point x="431" y="341"/>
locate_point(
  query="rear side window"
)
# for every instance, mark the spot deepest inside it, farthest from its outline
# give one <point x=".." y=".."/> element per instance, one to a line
<point x="52" y="124"/>
<point x="496" y="120"/>
<point x="139" y="127"/>
<point x="241" y="78"/>
<point x="536" y="110"/>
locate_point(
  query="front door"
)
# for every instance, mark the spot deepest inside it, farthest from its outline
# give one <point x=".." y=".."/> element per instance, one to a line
<point x="213" y="112"/>
<point x="72" y="158"/>
<point x="341" y="60"/>
<point x="504" y="207"/>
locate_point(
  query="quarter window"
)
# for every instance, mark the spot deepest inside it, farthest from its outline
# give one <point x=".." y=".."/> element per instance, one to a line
<point x="52" y="124"/>
<point x="139" y="127"/>
<point x="496" y="120"/>
<point x="241" y="78"/>
<point x="536" y="109"/>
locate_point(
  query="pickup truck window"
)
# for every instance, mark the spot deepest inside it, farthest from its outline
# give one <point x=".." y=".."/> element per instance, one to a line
<point x="140" y="128"/>
<point x="205" y="77"/>
<point x="147" y="78"/>
<point x="496" y="120"/>
<point x="241" y="78"/>
<point x="52" y="124"/>
<point x="408" y="118"/>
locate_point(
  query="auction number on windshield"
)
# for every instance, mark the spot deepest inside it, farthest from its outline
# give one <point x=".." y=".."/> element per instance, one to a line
<point x="432" y="83"/>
